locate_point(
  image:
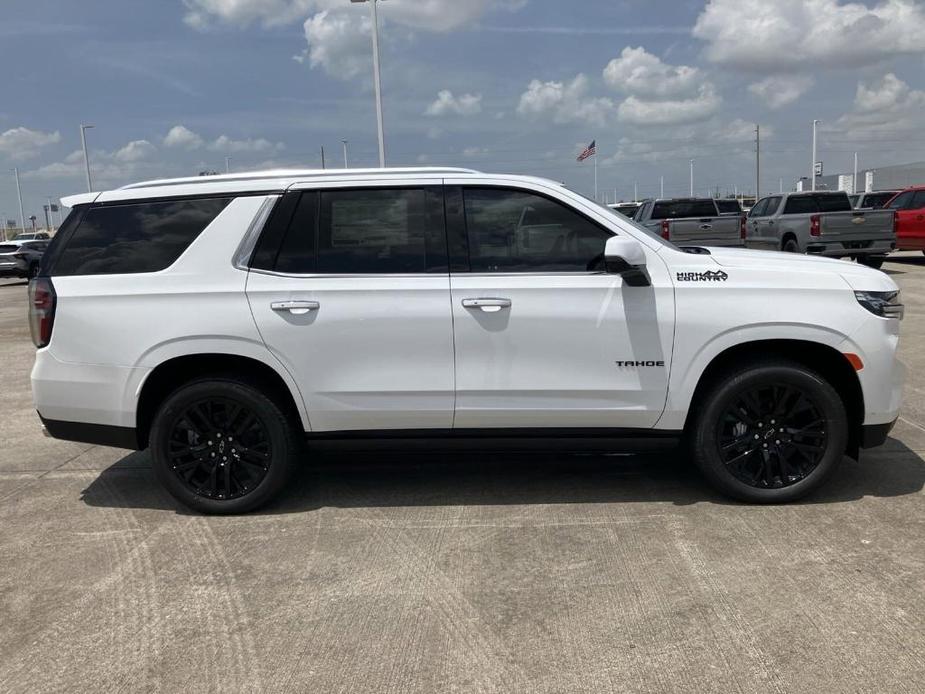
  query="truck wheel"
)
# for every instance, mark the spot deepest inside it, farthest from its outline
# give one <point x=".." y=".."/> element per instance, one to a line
<point x="790" y="246"/>
<point x="769" y="432"/>
<point x="221" y="446"/>
<point x="874" y="261"/>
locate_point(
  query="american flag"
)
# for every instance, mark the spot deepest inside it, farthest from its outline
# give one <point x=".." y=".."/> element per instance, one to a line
<point x="589" y="151"/>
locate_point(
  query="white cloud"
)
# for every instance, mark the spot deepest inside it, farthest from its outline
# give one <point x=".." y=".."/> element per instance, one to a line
<point x="227" y="145"/>
<point x="136" y="150"/>
<point x="565" y="102"/>
<point x="338" y="42"/>
<point x="183" y="137"/>
<point x="475" y="152"/>
<point x="888" y="107"/>
<point x="447" y="104"/>
<point x="22" y="143"/>
<point x="638" y="111"/>
<point x="779" y="90"/>
<point x="639" y="72"/>
<point x="428" y="15"/>
<point x="792" y="35"/>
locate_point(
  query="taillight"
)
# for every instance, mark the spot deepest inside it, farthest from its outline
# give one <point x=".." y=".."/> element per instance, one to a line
<point x="42" y="300"/>
<point x="815" y="228"/>
<point x="742" y="227"/>
<point x="666" y="229"/>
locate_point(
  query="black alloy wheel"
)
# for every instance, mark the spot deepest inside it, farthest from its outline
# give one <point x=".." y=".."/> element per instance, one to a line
<point x="771" y="436"/>
<point x="768" y="431"/>
<point x="221" y="445"/>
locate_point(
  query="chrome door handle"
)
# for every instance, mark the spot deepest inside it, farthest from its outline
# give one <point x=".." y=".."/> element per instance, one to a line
<point x="487" y="305"/>
<point x="298" y="308"/>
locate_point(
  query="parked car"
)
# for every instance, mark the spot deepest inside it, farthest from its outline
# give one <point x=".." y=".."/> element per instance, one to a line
<point x="691" y="221"/>
<point x="729" y="206"/>
<point x="909" y="206"/>
<point x="31" y="236"/>
<point x="627" y="209"/>
<point x="21" y="258"/>
<point x="821" y="223"/>
<point x="871" y="201"/>
<point x="222" y="321"/>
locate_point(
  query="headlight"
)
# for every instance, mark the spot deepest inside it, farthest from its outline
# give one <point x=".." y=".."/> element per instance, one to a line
<point x="883" y="304"/>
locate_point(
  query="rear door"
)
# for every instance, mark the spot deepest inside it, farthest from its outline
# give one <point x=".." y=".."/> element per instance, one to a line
<point x="543" y="337"/>
<point x="353" y="298"/>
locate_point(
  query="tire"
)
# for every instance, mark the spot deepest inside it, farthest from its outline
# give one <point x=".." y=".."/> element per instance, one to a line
<point x="233" y="428"/>
<point x="757" y="466"/>
<point x="874" y="261"/>
<point x="790" y="246"/>
<point x="33" y="271"/>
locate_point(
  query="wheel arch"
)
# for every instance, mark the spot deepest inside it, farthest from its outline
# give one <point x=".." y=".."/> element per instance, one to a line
<point x="787" y="236"/>
<point x="172" y="373"/>
<point x="824" y="359"/>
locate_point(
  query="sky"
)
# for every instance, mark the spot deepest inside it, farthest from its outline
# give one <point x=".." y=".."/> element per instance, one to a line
<point x="521" y="86"/>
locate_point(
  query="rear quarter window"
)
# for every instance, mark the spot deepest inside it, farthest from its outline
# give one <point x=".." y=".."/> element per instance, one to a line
<point x="135" y="237"/>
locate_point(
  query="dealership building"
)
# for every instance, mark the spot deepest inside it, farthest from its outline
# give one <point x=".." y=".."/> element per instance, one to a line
<point x="880" y="178"/>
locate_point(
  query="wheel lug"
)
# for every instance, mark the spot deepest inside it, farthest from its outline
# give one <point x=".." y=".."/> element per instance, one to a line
<point x="777" y="442"/>
<point x="757" y="437"/>
<point x="211" y="455"/>
<point x="764" y="445"/>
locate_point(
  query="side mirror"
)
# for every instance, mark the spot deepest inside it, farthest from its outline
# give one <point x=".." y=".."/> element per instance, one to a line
<point x="625" y="257"/>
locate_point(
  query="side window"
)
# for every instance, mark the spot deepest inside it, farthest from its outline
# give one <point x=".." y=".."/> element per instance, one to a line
<point x="759" y="208"/>
<point x="918" y="202"/>
<point x="366" y="231"/>
<point x="517" y="231"/>
<point x="772" y="205"/>
<point x="801" y="204"/>
<point x="903" y="201"/>
<point x="135" y="237"/>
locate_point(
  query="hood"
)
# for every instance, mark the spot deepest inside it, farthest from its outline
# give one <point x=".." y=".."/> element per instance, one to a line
<point x="858" y="276"/>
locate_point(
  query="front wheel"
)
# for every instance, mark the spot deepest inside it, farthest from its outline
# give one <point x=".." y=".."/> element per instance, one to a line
<point x="874" y="261"/>
<point x="222" y="446"/>
<point x="770" y="432"/>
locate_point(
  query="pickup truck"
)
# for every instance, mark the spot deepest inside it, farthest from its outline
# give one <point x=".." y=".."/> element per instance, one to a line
<point x="821" y="223"/>
<point x="874" y="200"/>
<point x="909" y="206"/>
<point x="691" y="222"/>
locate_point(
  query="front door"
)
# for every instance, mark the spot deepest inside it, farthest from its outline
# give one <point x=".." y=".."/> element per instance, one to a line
<point x="910" y="211"/>
<point x="544" y="338"/>
<point x="355" y="304"/>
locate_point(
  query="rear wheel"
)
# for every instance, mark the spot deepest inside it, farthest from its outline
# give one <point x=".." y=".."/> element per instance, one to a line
<point x="770" y="432"/>
<point x="222" y="446"/>
<point x="874" y="261"/>
<point x="790" y="246"/>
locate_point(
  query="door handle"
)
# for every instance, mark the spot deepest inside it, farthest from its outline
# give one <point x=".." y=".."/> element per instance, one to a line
<point x="298" y="308"/>
<point x="487" y="305"/>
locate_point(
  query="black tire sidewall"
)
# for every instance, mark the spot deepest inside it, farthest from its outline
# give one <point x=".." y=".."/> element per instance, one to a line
<point x="790" y="246"/>
<point x="875" y="263"/>
<point x="282" y="432"/>
<point x="704" y="444"/>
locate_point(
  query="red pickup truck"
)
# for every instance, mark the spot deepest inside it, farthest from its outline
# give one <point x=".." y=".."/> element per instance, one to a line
<point x="909" y="206"/>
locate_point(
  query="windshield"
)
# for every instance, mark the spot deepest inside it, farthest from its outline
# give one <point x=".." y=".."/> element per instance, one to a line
<point x="616" y="215"/>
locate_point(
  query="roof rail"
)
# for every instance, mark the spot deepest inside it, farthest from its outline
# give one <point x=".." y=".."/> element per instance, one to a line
<point x="294" y="173"/>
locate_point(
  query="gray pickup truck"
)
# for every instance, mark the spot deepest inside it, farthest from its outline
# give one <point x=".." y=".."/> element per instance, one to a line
<point x="691" y="222"/>
<point x="821" y="223"/>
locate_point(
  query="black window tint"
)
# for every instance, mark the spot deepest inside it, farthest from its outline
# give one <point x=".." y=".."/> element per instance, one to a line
<point x="297" y="252"/>
<point x="516" y="231"/>
<point x="728" y="206"/>
<point x="678" y="209"/>
<point x="381" y="230"/>
<point x="772" y="204"/>
<point x="137" y="237"/>
<point x="801" y="204"/>
<point x="918" y="201"/>
<point x="834" y="203"/>
<point x="903" y="201"/>
<point x="759" y="208"/>
<point x="877" y="200"/>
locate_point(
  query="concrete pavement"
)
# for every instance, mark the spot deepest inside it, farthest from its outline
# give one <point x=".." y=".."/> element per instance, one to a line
<point x="426" y="571"/>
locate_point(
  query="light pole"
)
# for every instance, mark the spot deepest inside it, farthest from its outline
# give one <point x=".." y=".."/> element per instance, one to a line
<point x="854" y="184"/>
<point x="227" y="165"/>
<point x="22" y="215"/>
<point x="376" y="78"/>
<point x="812" y="172"/>
<point x="83" y="144"/>
<point x="661" y="186"/>
<point x="344" y="142"/>
<point x="692" y="178"/>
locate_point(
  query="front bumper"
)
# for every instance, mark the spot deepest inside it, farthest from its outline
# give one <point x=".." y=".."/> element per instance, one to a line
<point x="873" y="435"/>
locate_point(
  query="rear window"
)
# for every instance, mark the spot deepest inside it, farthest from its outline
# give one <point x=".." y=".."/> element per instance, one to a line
<point x="878" y="200"/>
<point x="834" y="203"/>
<point x="678" y="209"/>
<point x="135" y="237"/>
<point x="810" y="204"/>
<point x="728" y="206"/>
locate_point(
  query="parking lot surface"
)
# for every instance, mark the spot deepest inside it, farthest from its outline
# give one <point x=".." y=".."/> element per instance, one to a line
<point x="427" y="570"/>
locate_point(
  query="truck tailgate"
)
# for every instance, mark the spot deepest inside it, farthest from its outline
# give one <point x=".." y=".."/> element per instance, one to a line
<point x="859" y="225"/>
<point x="710" y="231"/>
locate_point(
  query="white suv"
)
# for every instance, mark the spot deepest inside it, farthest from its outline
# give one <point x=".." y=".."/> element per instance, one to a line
<point x="221" y="321"/>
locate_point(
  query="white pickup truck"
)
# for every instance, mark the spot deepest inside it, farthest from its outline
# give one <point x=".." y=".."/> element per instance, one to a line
<point x="226" y="321"/>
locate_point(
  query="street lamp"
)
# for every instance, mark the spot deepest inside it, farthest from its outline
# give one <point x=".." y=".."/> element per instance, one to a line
<point x="227" y="165"/>
<point x="376" y="78"/>
<point x="22" y="215"/>
<point x="344" y="142"/>
<point x="83" y="143"/>
<point x="813" y="170"/>
<point x="692" y="178"/>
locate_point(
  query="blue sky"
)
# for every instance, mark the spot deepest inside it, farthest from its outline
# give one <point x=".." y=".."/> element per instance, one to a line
<point x="175" y="86"/>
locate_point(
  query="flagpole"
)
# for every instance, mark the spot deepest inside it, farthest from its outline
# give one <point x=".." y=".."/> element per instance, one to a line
<point x="595" y="170"/>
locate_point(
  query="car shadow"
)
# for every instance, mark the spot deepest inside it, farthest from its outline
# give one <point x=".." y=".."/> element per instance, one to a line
<point x="369" y="477"/>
